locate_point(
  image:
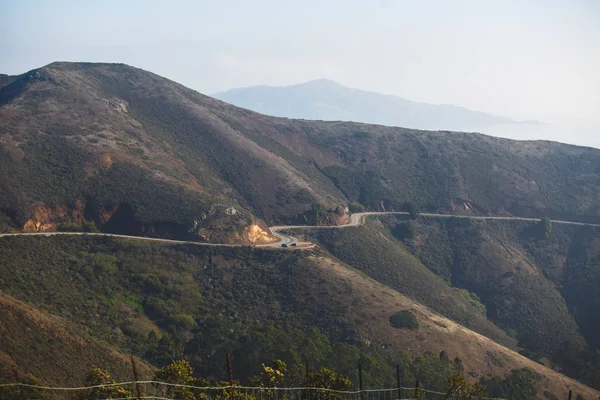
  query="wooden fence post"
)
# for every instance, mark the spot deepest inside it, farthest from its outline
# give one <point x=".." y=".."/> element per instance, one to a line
<point x="307" y="380"/>
<point x="136" y="378"/>
<point x="398" y="381"/>
<point x="360" y="381"/>
<point x="230" y="369"/>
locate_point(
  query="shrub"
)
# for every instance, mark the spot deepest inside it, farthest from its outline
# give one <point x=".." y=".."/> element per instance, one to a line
<point x="545" y="227"/>
<point x="404" y="231"/>
<point x="69" y="227"/>
<point x="413" y="209"/>
<point x="90" y="226"/>
<point x="98" y="377"/>
<point x="404" y="319"/>
<point x="356" y="207"/>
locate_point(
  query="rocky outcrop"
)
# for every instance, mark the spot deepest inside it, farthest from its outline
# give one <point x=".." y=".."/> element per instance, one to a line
<point x="256" y="234"/>
<point x="44" y="219"/>
<point x="47" y="219"/>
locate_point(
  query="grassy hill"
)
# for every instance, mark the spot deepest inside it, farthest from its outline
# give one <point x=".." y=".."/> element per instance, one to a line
<point x="527" y="282"/>
<point x="114" y="148"/>
<point x="39" y="343"/>
<point x="125" y="150"/>
<point x="114" y="143"/>
<point x="540" y="291"/>
<point x="162" y="302"/>
<point x="368" y="249"/>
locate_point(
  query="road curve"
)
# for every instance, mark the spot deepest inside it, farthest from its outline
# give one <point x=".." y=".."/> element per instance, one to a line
<point x="291" y="242"/>
<point x="359" y="219"/>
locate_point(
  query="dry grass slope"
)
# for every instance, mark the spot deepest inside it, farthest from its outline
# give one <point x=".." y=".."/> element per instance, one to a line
<point x="54" y="350"/>
<point x="373" y="303"/>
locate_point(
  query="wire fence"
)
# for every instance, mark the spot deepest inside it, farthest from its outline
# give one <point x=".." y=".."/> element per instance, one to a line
<point x="137" y="390"/>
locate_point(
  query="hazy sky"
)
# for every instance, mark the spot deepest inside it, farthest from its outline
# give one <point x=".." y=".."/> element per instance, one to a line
<point x="526" y="59"/>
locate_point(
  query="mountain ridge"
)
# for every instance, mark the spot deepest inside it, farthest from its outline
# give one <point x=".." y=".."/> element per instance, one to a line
<point x="265" y="167"/>
<point x="266" y="99"/>
<point x="113" y="148"/>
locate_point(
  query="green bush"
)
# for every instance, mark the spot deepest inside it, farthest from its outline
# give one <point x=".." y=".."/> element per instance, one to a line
<point x="404" y="231"/>
<point x="413" y="209"/>
<point x="69" y="227"/>
<point x="546" y="227"/>
<point x="356" y="207"/>
<point x="90" y="226"/>
<point x="404" y="319"/>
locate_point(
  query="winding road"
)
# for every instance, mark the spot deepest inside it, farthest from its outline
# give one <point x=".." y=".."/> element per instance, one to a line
<point x="359" y="219"/>
<point x="291" y="242"/>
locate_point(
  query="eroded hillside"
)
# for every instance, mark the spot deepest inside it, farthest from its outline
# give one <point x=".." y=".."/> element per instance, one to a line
<point x="123" y="150"/>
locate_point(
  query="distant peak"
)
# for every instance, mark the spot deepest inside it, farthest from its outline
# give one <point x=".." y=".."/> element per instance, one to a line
<point x="320" y="82"/>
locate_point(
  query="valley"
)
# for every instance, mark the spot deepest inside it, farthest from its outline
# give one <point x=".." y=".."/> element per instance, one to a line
<point x="139" y="217"/>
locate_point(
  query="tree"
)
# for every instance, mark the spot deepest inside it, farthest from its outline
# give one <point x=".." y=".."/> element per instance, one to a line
<point x="270" y="376"/>
<point x="460" y="389"/>
<point x="90" y="226"/>
<point x="521" y="384"/>
<point x="545" y="227"/>
<point x="404" y="231"/>
<point x="444" y="356"/>
<point x="458" y="365"/>
<point x="318" y="211"/>
<point x="100" y="377"/>
<point x="412" y="209"/>
<point x="181" y="373"/>
<point x="327" y="379"/>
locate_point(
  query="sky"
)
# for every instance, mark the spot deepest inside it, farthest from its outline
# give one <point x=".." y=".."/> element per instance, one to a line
<point x="528" y="60"/>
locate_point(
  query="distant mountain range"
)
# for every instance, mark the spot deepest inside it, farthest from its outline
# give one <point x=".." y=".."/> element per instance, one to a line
<point x="323" y="99"/>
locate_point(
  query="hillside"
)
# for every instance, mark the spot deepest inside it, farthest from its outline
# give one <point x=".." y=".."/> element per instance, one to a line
<point x="39" y="343"/>
<point x="515" y="274"/>
<point x="326" y="100"/>
<point x="115" y="148"/>
<point x="161" y="302"/>
<point x="366" y="249"/>
<point x="526" y="281"/>
<point x="6" y="79"/>
<point x="109" y="147"/>
<point x="93" y="142"/>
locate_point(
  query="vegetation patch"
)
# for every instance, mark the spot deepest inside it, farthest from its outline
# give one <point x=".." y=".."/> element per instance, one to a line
<point x="404" y="319"/>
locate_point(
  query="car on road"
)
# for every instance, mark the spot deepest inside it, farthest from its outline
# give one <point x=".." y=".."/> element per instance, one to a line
<point x="294" y="244"/>
<point x="284" y="245"/>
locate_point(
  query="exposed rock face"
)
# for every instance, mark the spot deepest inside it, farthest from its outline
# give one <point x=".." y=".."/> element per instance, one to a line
<point x="44" y="219"/>
<point x="255" y="234"/>
<point x="222" y="224"/>
<point x="340" y="219"/>
<point x="230" y="211"/>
